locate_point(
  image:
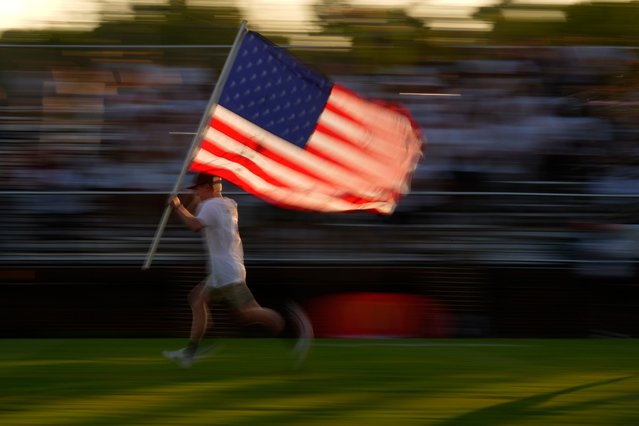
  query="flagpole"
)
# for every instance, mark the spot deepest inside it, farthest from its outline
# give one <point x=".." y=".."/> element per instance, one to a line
<point x="206" y="118"/>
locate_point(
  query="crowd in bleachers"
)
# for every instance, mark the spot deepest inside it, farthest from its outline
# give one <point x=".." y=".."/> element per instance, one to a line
<point x="501" y="125"/>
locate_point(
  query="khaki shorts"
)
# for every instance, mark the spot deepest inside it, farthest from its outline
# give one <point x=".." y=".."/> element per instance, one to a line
<point x="236" y="295"/>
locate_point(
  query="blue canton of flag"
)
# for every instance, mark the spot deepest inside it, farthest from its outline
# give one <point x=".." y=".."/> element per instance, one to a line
<point x="272" y="89"/>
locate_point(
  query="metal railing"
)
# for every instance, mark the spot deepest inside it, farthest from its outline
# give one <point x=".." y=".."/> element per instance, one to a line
<point x="116" y="227"/>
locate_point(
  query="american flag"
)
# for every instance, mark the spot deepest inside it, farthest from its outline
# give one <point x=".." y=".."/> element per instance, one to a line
<point x="294" y="138"/>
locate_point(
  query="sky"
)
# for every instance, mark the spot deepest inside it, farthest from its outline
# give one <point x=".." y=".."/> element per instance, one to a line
<point x="264" y="14"/>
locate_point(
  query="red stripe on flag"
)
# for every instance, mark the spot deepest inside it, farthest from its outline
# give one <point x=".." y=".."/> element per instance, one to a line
<point x="245" y="185"/>
<point x="349" y="142"/>
<point x="236" y="135"/>
<point x="350" y="168"/>
<point x="343" y="113"/>
<point x="366" y="121"/>
<point x="210" y="147"/>
<point x="319" y="154"/>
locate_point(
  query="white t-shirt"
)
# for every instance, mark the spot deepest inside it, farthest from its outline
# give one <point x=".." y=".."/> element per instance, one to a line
<point x="222" y="238"/>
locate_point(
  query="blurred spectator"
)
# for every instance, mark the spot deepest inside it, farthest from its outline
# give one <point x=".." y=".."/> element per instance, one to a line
<point x="509" y="121"/>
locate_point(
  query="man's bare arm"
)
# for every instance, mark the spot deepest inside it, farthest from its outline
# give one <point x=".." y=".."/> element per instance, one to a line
<point x="192" y="222"/>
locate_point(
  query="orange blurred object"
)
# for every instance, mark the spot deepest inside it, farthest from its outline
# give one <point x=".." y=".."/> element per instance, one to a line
<point x="374" y="315"/>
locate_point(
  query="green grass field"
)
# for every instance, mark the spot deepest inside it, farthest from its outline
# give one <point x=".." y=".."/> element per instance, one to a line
<point x="343" y="382"/>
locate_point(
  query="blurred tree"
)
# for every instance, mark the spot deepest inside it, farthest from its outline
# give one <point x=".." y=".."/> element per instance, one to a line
<point x="603" y="23"/>
<point x="600" y="23"/>
<point x="521" y="23"/>
<point x="174" y="23"/>
<point x="379" y="36"/>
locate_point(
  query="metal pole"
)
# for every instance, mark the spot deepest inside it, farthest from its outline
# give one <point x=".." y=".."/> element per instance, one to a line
<point x="206" y="118"/>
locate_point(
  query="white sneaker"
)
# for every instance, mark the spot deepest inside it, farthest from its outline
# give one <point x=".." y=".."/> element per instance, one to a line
<point x="181" y="357"/>
<point x="185" y="360"/>
<point x="303" y="330"/>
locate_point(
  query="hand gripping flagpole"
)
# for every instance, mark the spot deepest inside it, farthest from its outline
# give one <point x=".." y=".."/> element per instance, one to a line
<point x="197" y="139"/>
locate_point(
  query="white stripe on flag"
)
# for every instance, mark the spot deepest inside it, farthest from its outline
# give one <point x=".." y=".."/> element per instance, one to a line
<point x="394" y="135"/>
<point x="367" y="141"/>
<point x="347" y="154"/>
<point x="384" y="122"/>
<point x="399" y="149"/>
<point x="391" y="167"/>
<point x="402" y="154"/>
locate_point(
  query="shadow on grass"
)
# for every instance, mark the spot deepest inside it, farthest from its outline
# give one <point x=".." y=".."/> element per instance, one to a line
<point x="509" y="412"/>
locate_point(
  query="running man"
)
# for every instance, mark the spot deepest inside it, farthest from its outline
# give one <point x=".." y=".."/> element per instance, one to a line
<point x="226" y="282"/>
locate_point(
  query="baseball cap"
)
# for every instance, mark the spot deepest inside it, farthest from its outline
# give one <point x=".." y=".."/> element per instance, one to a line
<point x="204" y="179"/>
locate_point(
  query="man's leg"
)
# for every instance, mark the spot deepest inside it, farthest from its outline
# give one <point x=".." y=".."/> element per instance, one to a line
<point x="199" y="302"/>
<point x="252" y="313"/>
<point x="303" y="331"/>
<point x="248" y="311"/>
